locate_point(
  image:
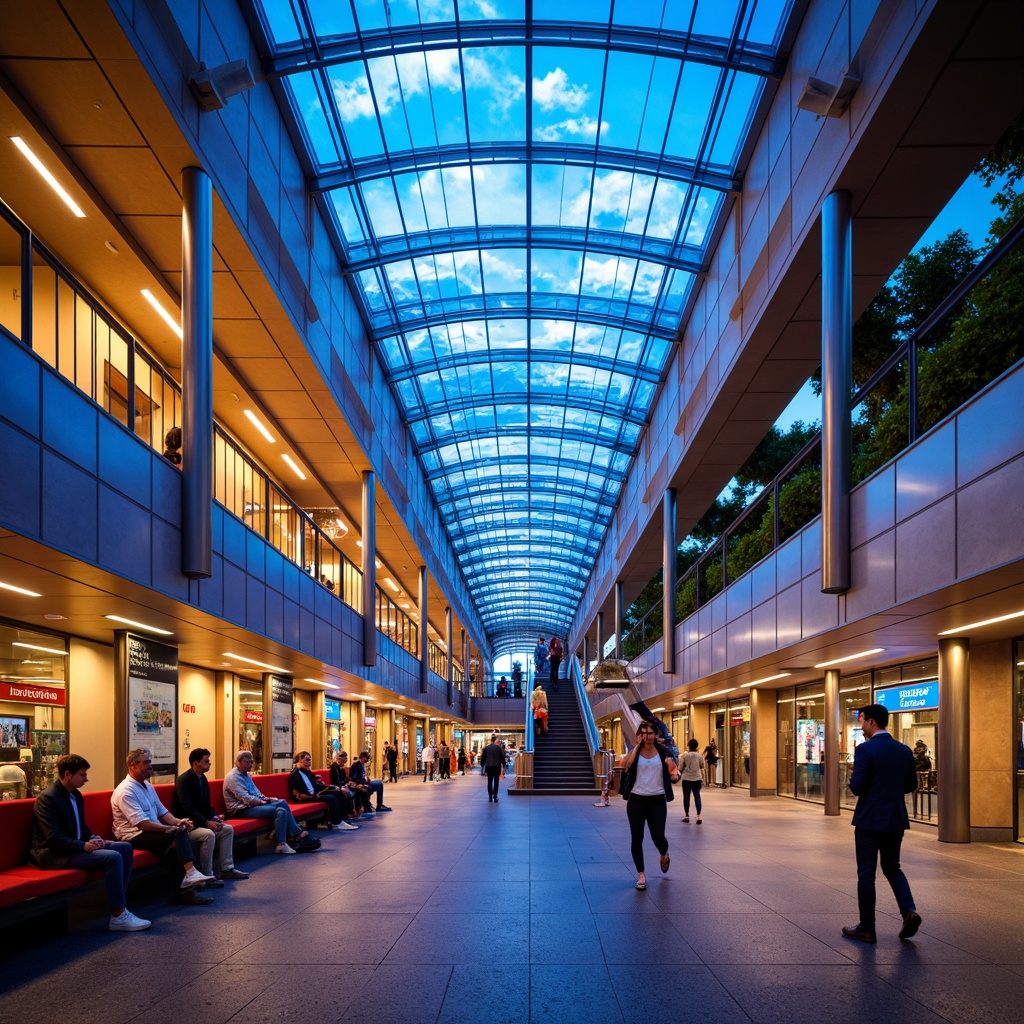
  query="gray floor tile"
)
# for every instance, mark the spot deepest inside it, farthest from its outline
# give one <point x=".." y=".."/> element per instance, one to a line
<point x="641" y="986"/>
<point x="968" y="995"/>
<point x="564" y="939"/>
<point x="483" y="992"/>
<point x="572" y="994"/>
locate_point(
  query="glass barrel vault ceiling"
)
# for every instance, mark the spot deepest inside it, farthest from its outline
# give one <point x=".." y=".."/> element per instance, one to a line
<point x="523" y="193"/>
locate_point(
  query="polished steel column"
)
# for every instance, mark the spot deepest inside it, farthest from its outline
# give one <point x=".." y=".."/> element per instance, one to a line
<point x="369" y="567"/>
<point x="464" y="651"/>
<point x="953" y="760"/>
<point x="197" y="375"/>
<point x="586" y="657"/>
<point x="619" y="586"/>
<point x="600" y="636"/>
<point x="450" y="659"/>
<point x="424" y="662"/>
<point x="832" y="725"/>
<point x="668" y="576"/>
<point x="754" y="773"/>
<point x="836" y="383"/>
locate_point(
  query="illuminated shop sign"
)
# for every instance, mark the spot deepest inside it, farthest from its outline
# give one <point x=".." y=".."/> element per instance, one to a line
<point x="910" y="697"/>
<point x="34" y="693"/>
<point x="370" y="722"/>
<point x="252" y="716"/>
<point x="332" y="710"/>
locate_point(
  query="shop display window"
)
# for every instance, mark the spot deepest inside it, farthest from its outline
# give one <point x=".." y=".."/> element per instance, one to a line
<point x="809" y="742"/>
<point x="786" y="764"/>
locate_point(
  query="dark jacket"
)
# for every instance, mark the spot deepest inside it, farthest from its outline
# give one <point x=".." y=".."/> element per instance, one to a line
<point x="192" y="798"/>
<point x="883" y="771"/>
<point x="492" y="756"/>
<point x="54" y="836"/>
<point x="339" y="775"/>
<point x="296" y="785"/>
<point x="629" y="776"/>
<point x="357" y="774"/>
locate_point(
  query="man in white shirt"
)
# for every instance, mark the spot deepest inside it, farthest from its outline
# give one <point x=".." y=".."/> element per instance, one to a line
<point x="140" y="819"/>
<point x="427" y="757"/>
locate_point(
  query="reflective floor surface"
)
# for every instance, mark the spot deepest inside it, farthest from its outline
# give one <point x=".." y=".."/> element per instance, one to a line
<point x="451" y="910"/>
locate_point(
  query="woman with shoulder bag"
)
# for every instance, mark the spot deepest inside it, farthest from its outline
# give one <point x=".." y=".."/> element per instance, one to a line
<point x="648" y="774"/>
<point x="692" y="767"/>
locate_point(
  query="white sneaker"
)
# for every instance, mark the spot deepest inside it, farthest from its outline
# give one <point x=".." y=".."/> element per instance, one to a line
<point x="283" y="848"/>
<point x="195" y="877"/>
<point x="127" y="922"/>
<point x="345" y="826"/>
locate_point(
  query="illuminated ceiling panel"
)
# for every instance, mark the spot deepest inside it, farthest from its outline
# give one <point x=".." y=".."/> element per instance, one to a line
<point x="523" y="194"/>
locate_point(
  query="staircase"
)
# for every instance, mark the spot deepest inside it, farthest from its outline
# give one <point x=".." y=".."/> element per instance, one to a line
<point x="562" y="763"/>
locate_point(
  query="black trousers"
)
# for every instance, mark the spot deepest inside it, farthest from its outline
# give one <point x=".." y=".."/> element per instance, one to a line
<point x="651" y="811"/>
<point x="493" y="777"/>
<point x="174" y="850"/>
<point x="872" y="846"/>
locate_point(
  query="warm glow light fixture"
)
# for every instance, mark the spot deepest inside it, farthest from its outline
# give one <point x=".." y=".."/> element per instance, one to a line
<point x="19" y="590"/>
<point x="47" y="176"/>
<point x="768" y="679"/>
<point x="249" y="661"/>
<point x="164" y="315"/>
<point x="392" y="584"/>
<point x="36" y="647"/>
<point x="294" y="466"/>
<point x="139" y="625"/>
<point x="253" y="419"/>
<point x="850" y="657"/>
<point x="717" y="693"/>
<point x="983" y="622"/>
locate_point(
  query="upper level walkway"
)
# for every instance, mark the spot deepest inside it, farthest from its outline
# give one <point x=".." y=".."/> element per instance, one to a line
<point x="452" y="909"/>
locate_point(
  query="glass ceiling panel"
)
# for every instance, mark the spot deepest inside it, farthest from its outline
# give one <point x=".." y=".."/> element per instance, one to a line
<point x="524" y="210"/>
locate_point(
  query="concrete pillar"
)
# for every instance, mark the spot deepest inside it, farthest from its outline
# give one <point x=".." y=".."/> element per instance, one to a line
<point x="832" y="725"/>
<point x="600" y="636"/>
<point x="318" y="730"/>
<point x="764" y="741"/>
<point x="369" y="567"/>
<point x="450" y="658"/>
<point x="619" y="587"/>
<point x="668" y="575"/>
<point x="836" y="378"/>
<point x="424" y="662"/>
<point x="953" y="762"/>
<point x="197" y="375"/>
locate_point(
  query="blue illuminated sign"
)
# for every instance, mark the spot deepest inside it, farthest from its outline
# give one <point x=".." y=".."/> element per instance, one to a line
<point x="910" y="697"/>
<point x="332" y="710"/>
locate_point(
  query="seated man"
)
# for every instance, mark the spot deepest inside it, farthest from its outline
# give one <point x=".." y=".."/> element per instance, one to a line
<point x="243" y="800"/>
<point x="502" y="687"/>
<point x="359" y="799"/>
<point x="140" y="819"/>
<point x="362" y="781"/>
<point x="62" y="839"/>
<point x="305" y="786"/>
<point x="211" y="833"/>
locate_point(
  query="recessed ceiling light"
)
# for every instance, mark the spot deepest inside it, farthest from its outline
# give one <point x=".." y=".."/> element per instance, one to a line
<point x="294" y="466"/>
<point x="392" y="584"/>
<point x="164" y="315"/>
<point x="982" y="622"/>
<point x="849" y="657"/>
<point x="249" y="661"/>
<point x="36" y="647"/>
<point x="53" y="616"/>
<point x="140" y="625"/>
<point x="768" y="679"/>
<point x="19" y="590"/>
<point x="717" y="693"/>
<point x="254" y="420"/>
<point x="47" y="176"/>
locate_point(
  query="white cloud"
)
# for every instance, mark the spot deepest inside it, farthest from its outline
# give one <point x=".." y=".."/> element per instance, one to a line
<point x="354" y="99"/>
<point x="553" y="91"/>
<point x="506" y="87"/>
<point x="584" y="126"/>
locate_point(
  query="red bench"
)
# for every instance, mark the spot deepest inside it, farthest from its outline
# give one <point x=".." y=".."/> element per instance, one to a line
<point x="25" y="888"/>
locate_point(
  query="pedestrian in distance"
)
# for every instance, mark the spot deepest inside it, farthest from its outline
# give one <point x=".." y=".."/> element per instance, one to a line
<point x="492" y="761"/>
<point x="691" y="769"/>
<point x="883" y="773"/>
<point x="648" y="774"/>
<point x="711" y="761"/>
<point x="539" y="702"/>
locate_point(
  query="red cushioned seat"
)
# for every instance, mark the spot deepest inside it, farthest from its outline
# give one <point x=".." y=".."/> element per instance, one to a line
<point x="15" y="832"/>
<point x="16" y="889"/>
<point x="46" y="882"/>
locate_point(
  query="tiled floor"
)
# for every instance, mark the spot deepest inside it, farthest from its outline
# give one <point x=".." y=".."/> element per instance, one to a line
<point x="454" y="910"/>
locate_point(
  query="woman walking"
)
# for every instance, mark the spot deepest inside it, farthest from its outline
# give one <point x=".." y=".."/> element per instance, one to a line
<point x="648" y="775"/>
<point x="692" y="766"/>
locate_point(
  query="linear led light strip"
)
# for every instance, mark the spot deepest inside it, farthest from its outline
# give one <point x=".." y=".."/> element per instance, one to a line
<point x="249" y="661"/>
<point x="139" y="625"/>
<point x="164" y="315"/>
<point x="849" y="657"/>
<point x="983" y="622"/>
<point x="19" y="590"/>
<point x="47" y="176"/>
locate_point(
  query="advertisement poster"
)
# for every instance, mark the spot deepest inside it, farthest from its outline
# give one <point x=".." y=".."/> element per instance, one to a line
<point x="153" y="701"/>
<point x="281" y="724"/>
<point x="810" y="741"/>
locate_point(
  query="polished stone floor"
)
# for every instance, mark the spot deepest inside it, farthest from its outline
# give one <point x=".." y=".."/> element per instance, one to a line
<point x="454" y="910"/>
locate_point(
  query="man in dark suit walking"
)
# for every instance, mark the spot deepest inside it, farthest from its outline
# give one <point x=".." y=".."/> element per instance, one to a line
<point x="883" y="772"/>
<point x="492" y="759"/>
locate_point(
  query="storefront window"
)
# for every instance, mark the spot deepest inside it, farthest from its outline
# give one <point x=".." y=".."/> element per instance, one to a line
<point x="1018" y="737"/>
<point x="810" y="742"/>
<point x="786" y="746"/>
<point x="33" y="710"/>
<point x="250" y="721"/>
<point x="721" y="734"/>
<point x="739" y="741"/>
<point x="854" y="694"/>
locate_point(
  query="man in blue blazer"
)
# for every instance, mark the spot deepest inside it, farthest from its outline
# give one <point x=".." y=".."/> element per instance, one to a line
<point x="883" y="772"/>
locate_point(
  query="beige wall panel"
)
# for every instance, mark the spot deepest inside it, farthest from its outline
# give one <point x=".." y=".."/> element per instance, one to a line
<point x="198" y="728"/>
<point x="92" y="711"/>
<point x="991" y="710"/>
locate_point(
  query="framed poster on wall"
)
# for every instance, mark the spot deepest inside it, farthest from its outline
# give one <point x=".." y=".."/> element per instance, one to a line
<point x="281" y="736"/>
<point x="152" y="689"/>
